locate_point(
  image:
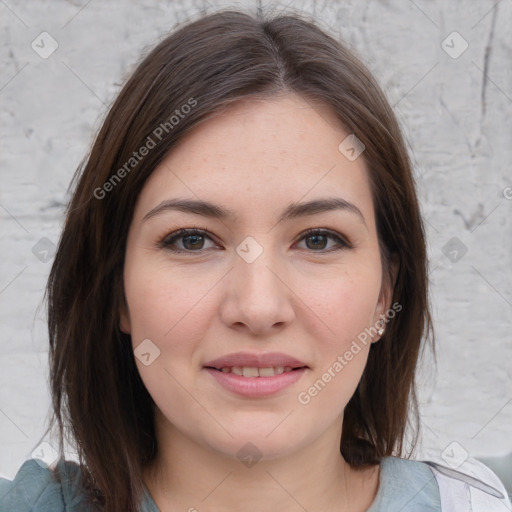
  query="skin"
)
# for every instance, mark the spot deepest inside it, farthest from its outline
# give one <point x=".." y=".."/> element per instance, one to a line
<point x="311" y="303"/>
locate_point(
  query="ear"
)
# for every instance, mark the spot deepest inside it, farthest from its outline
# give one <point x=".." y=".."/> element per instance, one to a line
<point x="124" y="318"/>
<point x="386" y="292"/>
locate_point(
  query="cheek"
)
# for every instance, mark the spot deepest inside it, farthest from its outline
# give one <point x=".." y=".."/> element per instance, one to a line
<point x="173" y="310"/>
<point x="166" y="305"/>
<point x="346" y="308"/>
<point x="345" y="304"/>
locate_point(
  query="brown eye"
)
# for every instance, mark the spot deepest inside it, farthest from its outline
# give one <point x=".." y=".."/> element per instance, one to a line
<point x="185" y="240"/>
<point x="193" y="241"/>
<point x="318" y="239"/>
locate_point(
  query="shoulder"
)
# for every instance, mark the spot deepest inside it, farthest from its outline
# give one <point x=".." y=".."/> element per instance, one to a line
<point x="36" y="488"/>
<point x="406" y="485"/>
<point x="425" y="485"/>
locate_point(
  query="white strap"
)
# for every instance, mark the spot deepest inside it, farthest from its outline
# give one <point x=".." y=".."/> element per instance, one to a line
<point x="471" y="488"/>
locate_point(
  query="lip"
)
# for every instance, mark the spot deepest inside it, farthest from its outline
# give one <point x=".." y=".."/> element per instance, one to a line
<point x="255" y="360"/>
<point x="256" y="387"/>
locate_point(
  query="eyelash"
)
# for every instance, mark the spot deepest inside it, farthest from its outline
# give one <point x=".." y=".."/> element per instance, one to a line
<point x="170" y="239"/>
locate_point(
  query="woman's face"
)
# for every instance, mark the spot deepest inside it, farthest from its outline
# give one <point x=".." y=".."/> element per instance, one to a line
<point x="251" y="286"/>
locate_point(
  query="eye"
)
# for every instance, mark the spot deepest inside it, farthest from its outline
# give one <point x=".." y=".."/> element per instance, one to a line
<point x="192" y="240"/>
<point x="319" y="239"/>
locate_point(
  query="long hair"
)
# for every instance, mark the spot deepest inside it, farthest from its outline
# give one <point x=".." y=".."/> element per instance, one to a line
<point x="99" y="400"/>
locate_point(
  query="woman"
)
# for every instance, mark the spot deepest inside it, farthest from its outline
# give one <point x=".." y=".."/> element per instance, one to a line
<point x="239" y="296"/>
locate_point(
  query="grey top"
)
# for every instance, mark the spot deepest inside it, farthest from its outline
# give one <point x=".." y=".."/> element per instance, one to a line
<point x="405" y="485"/>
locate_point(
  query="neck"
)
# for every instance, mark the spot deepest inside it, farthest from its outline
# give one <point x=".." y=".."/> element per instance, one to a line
<point x="192" y="477"/>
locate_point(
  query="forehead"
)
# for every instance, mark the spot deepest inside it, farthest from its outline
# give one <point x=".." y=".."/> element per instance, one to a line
<point x="262" y="152"/>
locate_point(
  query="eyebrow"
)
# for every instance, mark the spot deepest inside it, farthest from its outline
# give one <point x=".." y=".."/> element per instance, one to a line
<point x="292" y="211"/>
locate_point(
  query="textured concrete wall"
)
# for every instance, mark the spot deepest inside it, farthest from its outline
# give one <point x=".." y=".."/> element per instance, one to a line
<point x="447" y="69"/>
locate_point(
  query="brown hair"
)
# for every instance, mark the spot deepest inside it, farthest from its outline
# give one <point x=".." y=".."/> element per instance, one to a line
<point x="216" y="60"/>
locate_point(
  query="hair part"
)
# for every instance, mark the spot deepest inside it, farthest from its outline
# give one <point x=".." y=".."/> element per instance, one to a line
<point x="217" y="60"/>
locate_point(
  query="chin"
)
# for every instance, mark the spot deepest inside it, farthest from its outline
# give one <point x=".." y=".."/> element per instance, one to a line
<point x="250" y="447"/>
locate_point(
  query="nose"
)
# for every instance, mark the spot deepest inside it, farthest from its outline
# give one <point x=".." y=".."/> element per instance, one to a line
<point x="258" y="295"/>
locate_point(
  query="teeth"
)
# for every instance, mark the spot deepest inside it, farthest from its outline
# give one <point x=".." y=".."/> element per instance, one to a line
<point x="266" y="372"/>
<point x="251" y="371"/>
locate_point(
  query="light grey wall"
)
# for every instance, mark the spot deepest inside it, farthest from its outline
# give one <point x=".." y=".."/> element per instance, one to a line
<point x="456" y="109"/>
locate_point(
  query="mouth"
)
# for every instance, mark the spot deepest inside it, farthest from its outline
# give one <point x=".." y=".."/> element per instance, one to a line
<point x="259" y="375"/>
<point x="253" y="382"/>
<point x="254" y="371"/>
